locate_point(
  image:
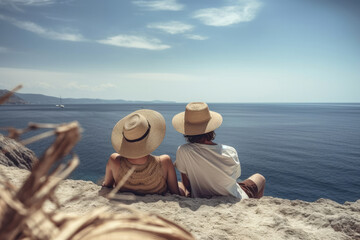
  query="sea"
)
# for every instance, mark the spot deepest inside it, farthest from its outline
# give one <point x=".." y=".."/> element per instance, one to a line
<point x="305" y="151"/>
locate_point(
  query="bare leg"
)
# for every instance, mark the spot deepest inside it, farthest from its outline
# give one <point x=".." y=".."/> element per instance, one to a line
<point x="260" y="181"/>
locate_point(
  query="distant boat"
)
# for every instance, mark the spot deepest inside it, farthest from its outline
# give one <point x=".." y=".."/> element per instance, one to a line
<point x="60" y="105"/>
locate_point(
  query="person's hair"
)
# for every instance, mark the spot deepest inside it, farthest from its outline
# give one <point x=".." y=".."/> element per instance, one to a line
<point x="200" y="138"/>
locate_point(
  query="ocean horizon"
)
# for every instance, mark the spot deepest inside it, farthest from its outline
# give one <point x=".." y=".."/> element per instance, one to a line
<point x="306" y="151"/>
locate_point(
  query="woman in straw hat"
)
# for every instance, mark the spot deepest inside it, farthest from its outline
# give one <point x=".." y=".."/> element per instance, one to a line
<point x="134" y="138"/>
<point x="207" y="168"/>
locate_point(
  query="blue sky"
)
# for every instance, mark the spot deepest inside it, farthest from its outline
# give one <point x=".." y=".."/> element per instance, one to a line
<point x="183" y="50"/>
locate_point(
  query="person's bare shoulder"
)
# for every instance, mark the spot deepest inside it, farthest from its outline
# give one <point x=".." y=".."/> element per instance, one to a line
<point x="165" y="159"/>
<point x="114" y="156"/>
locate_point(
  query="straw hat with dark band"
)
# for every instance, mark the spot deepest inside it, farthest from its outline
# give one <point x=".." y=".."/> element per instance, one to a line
<point x="139" y="133"/>
<point x="197" y="119"/>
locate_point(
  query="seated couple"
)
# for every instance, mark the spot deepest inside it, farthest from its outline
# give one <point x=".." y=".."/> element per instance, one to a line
<point x="207" y="169"/>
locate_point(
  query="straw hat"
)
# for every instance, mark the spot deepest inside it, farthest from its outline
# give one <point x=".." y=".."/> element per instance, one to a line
<point x="197" y="119"/>
<point x="139" y="133"/>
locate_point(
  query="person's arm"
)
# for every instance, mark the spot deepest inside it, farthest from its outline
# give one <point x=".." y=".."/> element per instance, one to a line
<point x="170" y="174"/>
<point x="109" y="178"/>
<point x="186" y="184"/>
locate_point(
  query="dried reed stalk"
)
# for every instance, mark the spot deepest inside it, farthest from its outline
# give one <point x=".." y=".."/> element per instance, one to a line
<point x="21" y="211"/>
<point x="5" y="97"/>
<point x="40" y="185"/>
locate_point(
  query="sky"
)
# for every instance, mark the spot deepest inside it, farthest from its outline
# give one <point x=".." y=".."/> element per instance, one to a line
<point x="183" y="50"/>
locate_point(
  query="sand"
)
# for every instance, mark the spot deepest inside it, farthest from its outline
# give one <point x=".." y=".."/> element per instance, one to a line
<point x="221" y="217"/>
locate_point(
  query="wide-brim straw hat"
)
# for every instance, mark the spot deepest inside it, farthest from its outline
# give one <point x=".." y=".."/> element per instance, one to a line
<point x="139" y="133"/>
<point x="197" y="119"/>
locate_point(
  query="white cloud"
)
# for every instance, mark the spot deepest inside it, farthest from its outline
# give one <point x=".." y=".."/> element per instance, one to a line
<point x="30" y="2"/>
<point x="89" y="87"/>
<point x="99" y="84"/>
<point x="159" y="5"/>
<point x="53" y="83"/>
<point x="47" y="33"/>
<point x="18" y="4"/>
<point x="155" y="77"/>
<point x="59" y="19"/>
<point x="130" y="41"/>
<point x="243" y="11"/>
<point x="195" y="37"/>
<point x="173" y="27"/>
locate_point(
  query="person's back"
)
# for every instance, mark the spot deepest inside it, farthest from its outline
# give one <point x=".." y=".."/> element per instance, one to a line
<point x="220" y="167"/>
<point x="147" y="179"/>
<point x="207" y="168"/>
<point x="134" y="137"/>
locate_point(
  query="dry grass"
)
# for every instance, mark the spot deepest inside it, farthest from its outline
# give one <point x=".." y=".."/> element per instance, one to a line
<point x="21" y="210"/>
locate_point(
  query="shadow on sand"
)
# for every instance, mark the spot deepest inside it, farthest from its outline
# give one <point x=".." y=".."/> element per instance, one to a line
<point x="184" y="202"/>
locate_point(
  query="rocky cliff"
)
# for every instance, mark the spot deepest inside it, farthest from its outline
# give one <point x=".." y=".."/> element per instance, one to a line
<point x="225" y="218"/>
<point x="14" y="154"/>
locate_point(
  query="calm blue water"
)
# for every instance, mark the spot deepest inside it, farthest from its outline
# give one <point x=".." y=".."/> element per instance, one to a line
<point x="306" y="151"/>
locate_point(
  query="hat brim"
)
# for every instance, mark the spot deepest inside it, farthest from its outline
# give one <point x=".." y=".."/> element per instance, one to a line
<point x="145" y="146"/>
<point x="187" y="128"/>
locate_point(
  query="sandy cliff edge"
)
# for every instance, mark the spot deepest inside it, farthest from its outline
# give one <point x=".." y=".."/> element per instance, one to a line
<point x="222" y="217"/>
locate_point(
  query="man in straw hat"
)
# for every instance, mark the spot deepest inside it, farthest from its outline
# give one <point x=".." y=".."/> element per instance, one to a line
<point x="134" y="137"/>
<point x="207" y="168"/>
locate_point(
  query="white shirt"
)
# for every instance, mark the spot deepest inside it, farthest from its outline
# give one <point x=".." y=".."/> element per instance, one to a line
<point x="211" y="169"/>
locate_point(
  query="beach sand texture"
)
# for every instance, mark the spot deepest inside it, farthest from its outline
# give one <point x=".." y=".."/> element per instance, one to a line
<point x="221" y="217"/>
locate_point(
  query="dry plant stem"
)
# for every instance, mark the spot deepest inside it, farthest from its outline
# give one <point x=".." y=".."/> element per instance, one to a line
<point x="34" y="126"/>
<point x="144" y="226"/>
<point x="15" y="133"/>
<point x="22" y="216"/>
<point x="56" y="151"/>
<point x="71" y="227"/>
<point x="53" y="181"/>
<point x="7" y="197"/>
<point x="121" y="183"/>
<point x="39" y="226"/>
<point x="39" y="186"/>
<point x="37" y="137"/>
<point x="9" y="94"/>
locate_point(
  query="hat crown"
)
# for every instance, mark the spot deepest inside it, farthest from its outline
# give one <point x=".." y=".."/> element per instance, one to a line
<point x="135" y="127"/>
<point x="197" y="112"/>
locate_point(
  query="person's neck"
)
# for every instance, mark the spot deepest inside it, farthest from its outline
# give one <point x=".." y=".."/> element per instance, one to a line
<point x="138" y="161"/>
